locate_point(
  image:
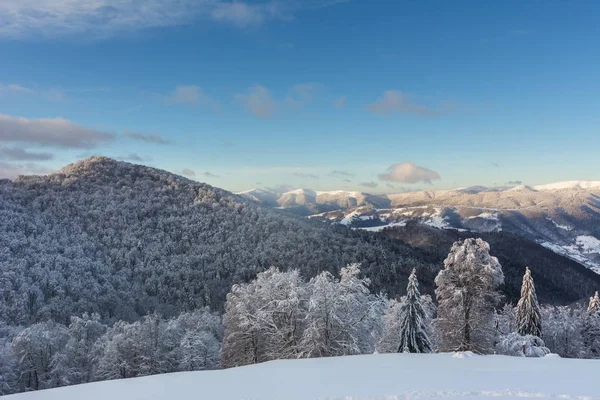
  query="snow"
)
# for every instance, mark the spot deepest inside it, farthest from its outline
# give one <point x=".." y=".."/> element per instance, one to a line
<point x="589" y="244"/>
<point x="486" y="215"/>
<point x="565" y="227"/>
<point x="573" y="253"/>
<point x="569" y="185"/>
<point x="370" y="377"/>
<point x="382" y="227"/>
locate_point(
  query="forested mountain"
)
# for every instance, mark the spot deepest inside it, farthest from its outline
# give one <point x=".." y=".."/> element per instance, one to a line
<point x="125" y="240"/>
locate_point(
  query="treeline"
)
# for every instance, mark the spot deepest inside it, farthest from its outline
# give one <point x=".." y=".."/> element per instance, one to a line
<point x="48" y="354"/>
<point x="280" y="315"/>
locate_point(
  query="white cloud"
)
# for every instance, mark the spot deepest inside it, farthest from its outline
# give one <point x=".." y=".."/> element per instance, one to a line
<point x="257" y="100"/>
<point x="56" y="132"/>
<point x="393" y="101"/>
<point x="97" y="19"/>
<point x="408" y="172"/>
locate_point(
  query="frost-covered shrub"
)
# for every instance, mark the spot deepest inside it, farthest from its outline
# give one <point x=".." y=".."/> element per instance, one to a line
<point x="517" y="345"/>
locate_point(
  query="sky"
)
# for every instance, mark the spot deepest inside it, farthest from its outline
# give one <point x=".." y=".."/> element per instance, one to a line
<point x="377" y="96"/>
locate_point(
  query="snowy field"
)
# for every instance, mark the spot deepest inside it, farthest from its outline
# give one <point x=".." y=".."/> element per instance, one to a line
<point x="372" y="377"/>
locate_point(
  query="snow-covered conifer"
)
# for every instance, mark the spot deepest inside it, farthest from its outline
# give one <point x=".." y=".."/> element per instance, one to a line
<point x="529" y="319"/>
<point x="467" y="292"/>
<point x="413" y="321"/>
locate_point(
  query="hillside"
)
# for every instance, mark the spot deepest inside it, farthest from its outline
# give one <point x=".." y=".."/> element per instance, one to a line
<point x="372" y="377"/>
<point x="124" y="240"/>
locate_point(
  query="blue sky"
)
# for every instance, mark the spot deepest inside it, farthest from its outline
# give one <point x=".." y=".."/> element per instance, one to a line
<point x="378" y="96"/>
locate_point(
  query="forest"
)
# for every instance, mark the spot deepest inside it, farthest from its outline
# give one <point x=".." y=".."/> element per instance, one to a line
<point x="280" y="315"/>
<point x="112" y="270"/>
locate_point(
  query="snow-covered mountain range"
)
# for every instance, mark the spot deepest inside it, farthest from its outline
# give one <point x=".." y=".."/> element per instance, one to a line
<point x="563" y="216"/>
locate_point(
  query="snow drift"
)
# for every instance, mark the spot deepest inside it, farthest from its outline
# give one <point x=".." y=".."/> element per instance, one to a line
<point x="371" y="377"/>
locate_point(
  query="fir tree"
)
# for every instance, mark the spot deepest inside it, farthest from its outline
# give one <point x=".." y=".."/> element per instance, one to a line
<point x="529" y="320"/>
<point x="413" y="330"/>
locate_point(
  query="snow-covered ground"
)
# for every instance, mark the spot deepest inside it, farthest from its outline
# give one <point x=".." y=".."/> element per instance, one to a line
<point x="373" y="377"/>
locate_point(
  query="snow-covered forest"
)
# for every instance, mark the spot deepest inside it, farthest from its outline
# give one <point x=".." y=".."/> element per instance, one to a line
<point x="281" y="315"/>
<point x="112" y="270"/>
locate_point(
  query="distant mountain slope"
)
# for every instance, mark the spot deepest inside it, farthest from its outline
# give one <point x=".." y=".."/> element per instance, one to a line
<point x="563" y="216"/>
<point x="558" y="280"/>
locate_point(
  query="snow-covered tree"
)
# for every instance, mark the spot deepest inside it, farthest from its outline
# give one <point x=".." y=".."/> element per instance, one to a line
<point x="263" y="319"/>
<point x="343" y="317"/>
<point x="591" y="328"/>
<point x="529" y="319"/>
<point x="8" y="369"/>
<point x="562" y="329"/>
<point x="413" y="320"/>
<point x="515" y="344"/>
<point x="594" y="305"/>
<point x="467" y="292"/>
<point x="36" y="348"/>
<point x="75" y="363"/>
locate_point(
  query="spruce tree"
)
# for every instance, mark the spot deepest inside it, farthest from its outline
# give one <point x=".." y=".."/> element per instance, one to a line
<point x="529" y="319"/>
<point x="413" y="329"/>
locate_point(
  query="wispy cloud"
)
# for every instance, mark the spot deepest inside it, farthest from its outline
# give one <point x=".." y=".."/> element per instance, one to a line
<point x="146" y="137"/>
<point x="338" y="173"/>
<point x="371" y="184"/>
<point x="408" y="172"/>
<point x="11" y="171"/>
<point x="98" y="19"/>
<point x="192" y="95"/>
<point x="340" y="102"/>
<point x="188" y="172"/>
<point x="56" y="132"/>
<point x="15" y="89"/>
<point x="210" y="175"/>
<point x="302" y="93"/>
<point x="305" y="176"/>
<point x="393" y="101"/>
<point x="257" y="100"/>
<point x="134" y="157"/>
<point x="514" y="183"/>
<point x="19" y="154"/>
